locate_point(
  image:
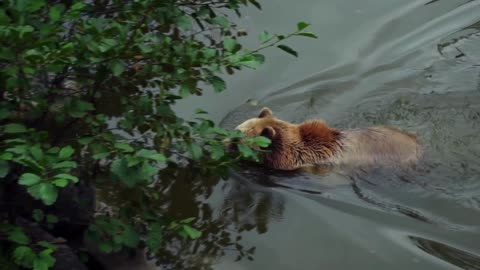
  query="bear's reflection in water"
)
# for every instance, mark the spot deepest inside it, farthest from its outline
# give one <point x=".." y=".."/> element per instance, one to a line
<point x="318" y="178"/>
<point x="310" y="179"/>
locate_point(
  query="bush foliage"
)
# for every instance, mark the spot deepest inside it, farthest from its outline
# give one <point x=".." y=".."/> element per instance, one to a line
<point x="86" y="96"/>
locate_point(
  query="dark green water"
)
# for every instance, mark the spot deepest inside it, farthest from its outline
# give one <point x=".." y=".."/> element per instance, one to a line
<point x="411" y="64"/>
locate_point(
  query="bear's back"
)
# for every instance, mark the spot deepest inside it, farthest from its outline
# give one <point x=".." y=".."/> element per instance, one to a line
<point x="379" y="145"/>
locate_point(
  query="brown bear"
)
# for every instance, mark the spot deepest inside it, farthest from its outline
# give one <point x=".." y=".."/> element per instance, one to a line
<point x="313" y="143"/>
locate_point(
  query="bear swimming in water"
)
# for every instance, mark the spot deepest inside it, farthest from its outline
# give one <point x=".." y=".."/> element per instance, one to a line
<point x="313" y="143"/>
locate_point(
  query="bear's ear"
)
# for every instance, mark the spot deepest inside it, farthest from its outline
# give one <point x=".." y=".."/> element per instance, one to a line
<point x="265" y="112"/>
<point x="268" y="132"/>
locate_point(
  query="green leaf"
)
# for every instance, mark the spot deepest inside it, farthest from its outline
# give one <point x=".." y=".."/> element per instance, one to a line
<point x="252" y="60"/>
<point x="85" y="140"/>
<point x="288" y="50"/>
<point x="38" y="215"/>
<point x="35" y="5"/>
<point x="229" y="44"/>
<point x="125" y="147"/>
<point x="105" y="247"/>
<point x="28" y="179"/>
<point x="196" y="151"/>
<point x="14" y="128"/>
<point x="117" y="66"/>
<point x="262" y="141"/>
<point x="154" y="237"/>
<point x="145" y="48"/>
<point x="221" y="21"/>
<point x="24" y="29"/>
<point x="302" y="25"/>
<point x="128" y="175"/>
<point x="48" y="194"/>
<point x="217" y="151"/>
<point x="217" y="83"/>
<point x="20" y="141"/>
<point x="44" y="261"/>
<point x="67" y="176"/>
<point x="66" y="152"/>
<point x="147" y="171"/>
<point x="6" y="156"/>
<point x="187" y="220"/>
<point x="4" y="168"/>
<point x="28" y="162"/>
<point x="78" y="6"/>
<point x="18" y="149"/>
<point x="107" y="44"/>
<point x="307" y="34"/>
<point x="79" y="108"/>
<point x="101" y="155"/>
<point x="209" y="53"/>
<point x="132" y="161"/>
<point x="220" y="131"/>
<point x="245" y="150"/>
<point x="151" y="154"/>
<point x="39" y="264"/>
<point x="65" y="164"/>
<point x="24" y="256"/>
<point x="36" y="152"/>
<point x="264" y="37"/>
<point x="60" y="182"/>
<point x="18" y="236"/>
<point x="186" y="89"/>
<point x="130" y="237"/>
<point x="55" y="12"/>
<point x="191" y="232"/>
<point x="33" y="53"/>
<point x="45" y="192"/>
<point x="184" y="22"/>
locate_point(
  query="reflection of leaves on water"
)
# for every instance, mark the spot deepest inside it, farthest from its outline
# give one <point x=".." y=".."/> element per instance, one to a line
<point x="243" y="210"/>
<point x="455" y="256"/>
<point x="249" y="208"/>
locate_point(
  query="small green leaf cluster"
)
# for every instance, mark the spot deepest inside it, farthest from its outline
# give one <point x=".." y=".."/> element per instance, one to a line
<point x="112" y="234"/>
<point x="49" y="167"/>
<point x="38" y="256"/>
<point x="184" y="228"/>
<point x="270" y="40"/>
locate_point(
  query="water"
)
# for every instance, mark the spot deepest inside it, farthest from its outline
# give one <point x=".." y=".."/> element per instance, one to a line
<point x="410" y="64"/>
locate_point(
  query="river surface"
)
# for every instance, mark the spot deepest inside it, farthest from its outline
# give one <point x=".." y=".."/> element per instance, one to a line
<point x="411" y="64"/>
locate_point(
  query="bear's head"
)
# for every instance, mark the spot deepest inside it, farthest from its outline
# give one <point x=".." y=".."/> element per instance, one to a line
<point x="265" y="125"/>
